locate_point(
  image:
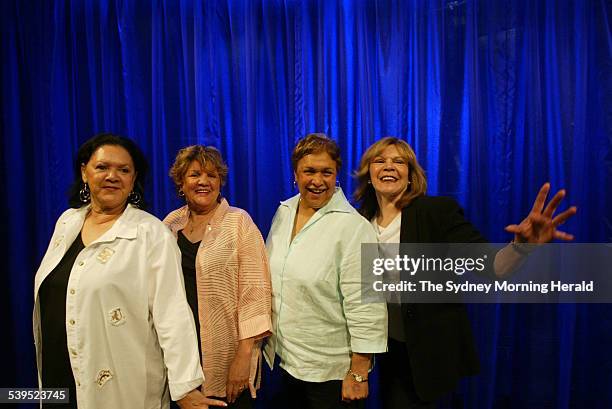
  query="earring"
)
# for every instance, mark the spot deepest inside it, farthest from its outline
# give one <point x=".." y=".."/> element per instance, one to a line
<point x="134" y="198"/>
<point x="181" y="193"/>
<point x="84" y="193"/>
<point x="337" y="183"/>
<point x="369" y="182"/>
<point x="294" y="183"/>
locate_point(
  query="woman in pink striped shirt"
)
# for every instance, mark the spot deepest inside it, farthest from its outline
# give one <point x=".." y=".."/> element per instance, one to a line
<point x="227" y="279"/>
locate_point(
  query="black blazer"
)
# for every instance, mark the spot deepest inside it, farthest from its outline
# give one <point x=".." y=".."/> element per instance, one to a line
<point x="439" y="339"/>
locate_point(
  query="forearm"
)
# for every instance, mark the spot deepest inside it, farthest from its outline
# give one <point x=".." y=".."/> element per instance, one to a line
<point x="246" y="345"/>
<point x="361" y="363"/>
<point x="508" y="260"/>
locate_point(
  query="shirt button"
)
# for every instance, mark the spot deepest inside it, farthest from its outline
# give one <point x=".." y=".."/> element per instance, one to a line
<point x="71" y="322"/>
<point x="72" y="291"/>
<point x="78" y="383"/>
<point x="81" y="263"/>
<point x="73" y="351"/>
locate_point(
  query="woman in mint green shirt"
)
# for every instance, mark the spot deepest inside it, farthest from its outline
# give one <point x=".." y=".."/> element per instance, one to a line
<point x="324" y="336"/>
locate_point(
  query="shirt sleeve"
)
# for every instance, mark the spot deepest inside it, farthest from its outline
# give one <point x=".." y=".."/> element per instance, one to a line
<point x="367" y="322"/>
<point x="172" y="317"/>
<point x="255" y="298"/>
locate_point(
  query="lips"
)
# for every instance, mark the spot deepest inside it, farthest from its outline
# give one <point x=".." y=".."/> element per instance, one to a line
<point x="316" y="191"/>
<point x="388" y="178"/>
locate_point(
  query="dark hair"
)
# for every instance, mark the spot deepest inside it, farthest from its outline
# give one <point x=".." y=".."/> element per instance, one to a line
<point x="89" y="147"/>
<point x="316" y="143"/>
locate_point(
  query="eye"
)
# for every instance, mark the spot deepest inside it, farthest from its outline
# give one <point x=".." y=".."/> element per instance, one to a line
<point x="212" y="175"/>
<point x="399" y="161"/>
<point x="328" y="173"/>
<point x="101" y="167"/>
<point x="378" y="160"/>
<point x="125" y="171"/>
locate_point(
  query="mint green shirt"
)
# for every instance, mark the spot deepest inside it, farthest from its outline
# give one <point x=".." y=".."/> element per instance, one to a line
<point x="317" y="315"/>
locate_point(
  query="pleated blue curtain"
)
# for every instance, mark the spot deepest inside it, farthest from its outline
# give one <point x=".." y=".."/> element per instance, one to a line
<point x="496" y="97"/>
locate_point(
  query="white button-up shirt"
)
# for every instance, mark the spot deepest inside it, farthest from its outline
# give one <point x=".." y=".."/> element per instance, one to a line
<point x="317" y="313"/>
<point x="129" y="329"/>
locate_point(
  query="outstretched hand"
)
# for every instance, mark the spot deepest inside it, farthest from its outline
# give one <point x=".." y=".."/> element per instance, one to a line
<point x="540" y="226"/>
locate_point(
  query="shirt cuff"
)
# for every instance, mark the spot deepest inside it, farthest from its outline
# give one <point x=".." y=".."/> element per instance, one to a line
<point x="369" y="346"/>
<point x="179" y="390"/>
<point x="255" y="326"/>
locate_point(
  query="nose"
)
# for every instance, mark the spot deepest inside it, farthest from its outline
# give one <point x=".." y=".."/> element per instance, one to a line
<point x="203" y="179"/>
<point x="317" y="179"/>
<point x="389" y="164"/>
<point x="112" y="174"/>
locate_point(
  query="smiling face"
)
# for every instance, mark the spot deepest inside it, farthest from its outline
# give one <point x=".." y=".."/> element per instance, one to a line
<point x="389" y="173"/>
<point x="110" y="174"/>
<point x="202" y="186"/>
<point x="315" y="176"/>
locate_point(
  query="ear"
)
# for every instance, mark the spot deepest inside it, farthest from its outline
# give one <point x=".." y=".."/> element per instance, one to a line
<point x="295" y="175"/>
<point x="83" y="177"/>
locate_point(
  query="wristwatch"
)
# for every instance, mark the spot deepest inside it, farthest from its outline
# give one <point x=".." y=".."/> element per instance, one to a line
<point x="358" y="378"/>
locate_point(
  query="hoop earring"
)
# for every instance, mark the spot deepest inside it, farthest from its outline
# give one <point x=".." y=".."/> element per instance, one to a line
<point x="370" y="182"/>
<point x="134" y="198"/>
<point x="181" y="193"/>
<point x="84" y="193"/>
<point x="294" y="183"/>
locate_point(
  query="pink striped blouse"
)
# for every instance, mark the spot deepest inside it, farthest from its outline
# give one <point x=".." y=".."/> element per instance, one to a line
<point x="234" y="292"/>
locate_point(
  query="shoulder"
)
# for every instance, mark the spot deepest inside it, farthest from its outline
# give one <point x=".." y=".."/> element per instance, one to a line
<point x="146" y="223"/>
<point x="175" y="216"/>
<point x="239" y="219"/>
<point x="432" y="204"/>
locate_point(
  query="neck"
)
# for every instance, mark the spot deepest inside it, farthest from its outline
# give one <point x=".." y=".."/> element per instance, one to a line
<point x="101" y="215"/>
<point x="387" y="209"/>
<point x="202" y="213"/>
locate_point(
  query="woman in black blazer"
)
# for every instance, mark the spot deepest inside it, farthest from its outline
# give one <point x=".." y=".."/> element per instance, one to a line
<point x="431" y="346"/>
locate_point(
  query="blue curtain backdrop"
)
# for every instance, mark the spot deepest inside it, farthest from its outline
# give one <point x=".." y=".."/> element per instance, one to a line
<point x="496" y="97"/>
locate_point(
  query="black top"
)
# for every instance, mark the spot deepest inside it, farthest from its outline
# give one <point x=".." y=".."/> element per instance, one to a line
<point x="56" y="369"/>
<point x="439" y="339"/>
<point x="189" y="252"/>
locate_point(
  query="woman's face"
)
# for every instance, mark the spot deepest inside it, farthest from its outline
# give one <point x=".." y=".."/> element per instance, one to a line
<point x="110" y="174"/>
<point x="316" y="179"/>
<point x="389" y="173"/>
<point x="201" y="186"/>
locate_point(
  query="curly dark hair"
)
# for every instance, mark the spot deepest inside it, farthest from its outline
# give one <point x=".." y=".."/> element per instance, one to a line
<point x="89" y="147"/>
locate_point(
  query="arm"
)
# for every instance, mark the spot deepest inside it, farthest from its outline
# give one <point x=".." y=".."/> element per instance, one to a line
<point x="366" y="322"/>
<point x="172" y="319"/>
<point x="254" y="305"/>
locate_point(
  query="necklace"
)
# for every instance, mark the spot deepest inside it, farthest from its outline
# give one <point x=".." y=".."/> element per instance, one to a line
<point x="207" y="217"/>
<point x="198" y="226"/>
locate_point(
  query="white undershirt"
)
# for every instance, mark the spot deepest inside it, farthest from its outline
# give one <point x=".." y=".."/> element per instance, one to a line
<point x="388" y="247"/>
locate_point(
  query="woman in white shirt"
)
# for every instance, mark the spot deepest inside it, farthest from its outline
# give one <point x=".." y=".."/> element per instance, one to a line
<point x="111" y="321"/>
<point x="323" y="335"/>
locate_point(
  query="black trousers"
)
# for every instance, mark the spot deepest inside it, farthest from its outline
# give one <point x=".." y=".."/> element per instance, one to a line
<point x="298" y="394"/>
<point x="396" y="385"/>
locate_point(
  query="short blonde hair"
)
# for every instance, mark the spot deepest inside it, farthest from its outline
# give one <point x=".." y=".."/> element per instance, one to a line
<point x="365" y="194"/>
<point x="207" y="156"/>
<point x="316" y="143"/>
